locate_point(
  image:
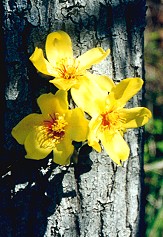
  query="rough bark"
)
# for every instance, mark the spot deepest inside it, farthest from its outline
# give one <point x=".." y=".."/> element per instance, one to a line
<point x="95" y="198"/>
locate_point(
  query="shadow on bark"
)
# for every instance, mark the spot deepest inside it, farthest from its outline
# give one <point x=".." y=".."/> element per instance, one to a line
<point x="24" y="212"/>
<point x="25" y="208"/>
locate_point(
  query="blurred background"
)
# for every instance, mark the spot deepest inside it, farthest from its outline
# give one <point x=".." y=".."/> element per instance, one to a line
<point x="154" y="129"/>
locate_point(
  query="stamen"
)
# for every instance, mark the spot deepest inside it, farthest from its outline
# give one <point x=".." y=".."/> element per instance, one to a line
<point x="68" y="69"/>
<point x="112" y="121"/>
<point x="52" y="131"/>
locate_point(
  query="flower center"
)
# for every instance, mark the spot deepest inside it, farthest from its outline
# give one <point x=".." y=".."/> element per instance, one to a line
<point x="112" y="121"/>
<point x="68" y="69"/>
<point x="52" y="131"/>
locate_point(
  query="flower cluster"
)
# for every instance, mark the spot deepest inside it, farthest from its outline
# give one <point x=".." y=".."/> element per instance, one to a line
<point x="57" y="126"/>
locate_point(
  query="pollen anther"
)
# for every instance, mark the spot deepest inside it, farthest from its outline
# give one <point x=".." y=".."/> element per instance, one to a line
<point x="112" y="120"/>
<point x="68" y="69"/>
<point x="52" y="131"/>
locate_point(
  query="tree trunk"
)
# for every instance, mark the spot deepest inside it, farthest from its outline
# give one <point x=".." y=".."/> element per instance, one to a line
<point x="95" y="197"/>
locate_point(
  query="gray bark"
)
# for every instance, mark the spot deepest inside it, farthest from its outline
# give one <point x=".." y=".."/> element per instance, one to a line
<point x="95" y="198"/>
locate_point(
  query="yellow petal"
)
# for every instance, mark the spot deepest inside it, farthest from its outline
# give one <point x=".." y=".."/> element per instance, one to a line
<point x="41" y="64"/>
<point x="58" y="46"/>
<point x="91" y="57"/>
<point x="32" y="147"/>
<point x="125" y="90"/>
<point x="50" y="104"/>
<point x="63" y="84"/>
<point x="115" y="146"/>
<point x="90" y="97"/>
<point x="63" y="152"/>
<point x="135" y="117"/>
<point x="77" y="125"/>
<point x="103" y="81"/>
<point x="25" y="126"/>
<point x="95" y="145"/>
<point x="93" y="139"/>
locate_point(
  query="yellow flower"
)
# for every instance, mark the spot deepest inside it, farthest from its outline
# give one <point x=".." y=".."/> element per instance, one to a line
<point x="110" y="119"/>
<point x="67" y="71"/>
<point x="52" y="130"/>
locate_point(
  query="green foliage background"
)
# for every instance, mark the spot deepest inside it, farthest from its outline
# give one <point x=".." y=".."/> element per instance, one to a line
<point x="154" y="129"/>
